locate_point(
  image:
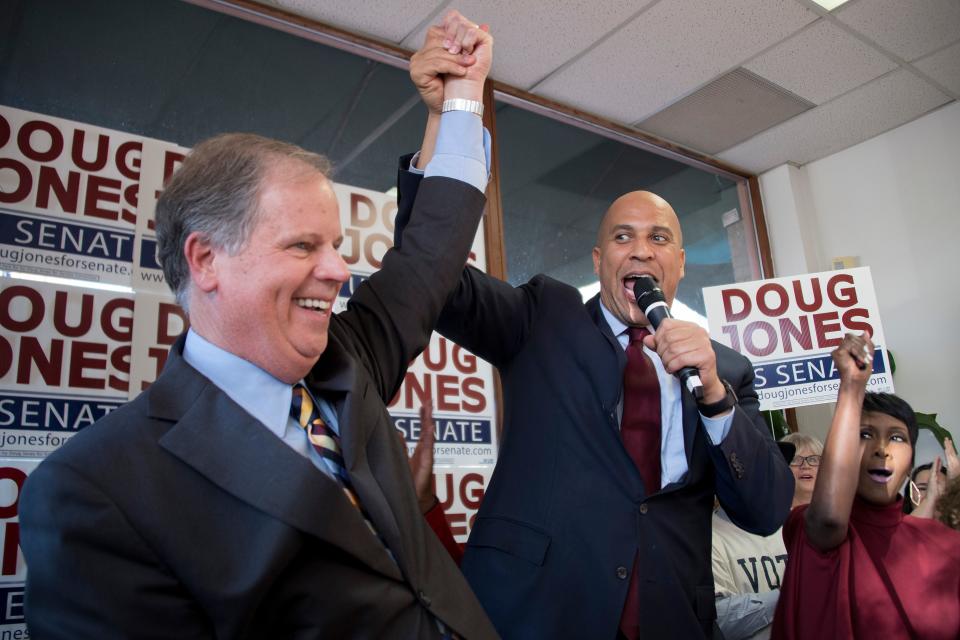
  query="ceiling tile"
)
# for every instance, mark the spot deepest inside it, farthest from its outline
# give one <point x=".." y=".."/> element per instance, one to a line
<point x="532" y="40"/>
<point x="821" y="62"/>
<point x="390" y="21"/>
<point x="669" y="51"/>
<point x="729" y="110"/>
<point x="879" y="106"/>
<point x="944" y="67"/>
<point x="909" y="28"/>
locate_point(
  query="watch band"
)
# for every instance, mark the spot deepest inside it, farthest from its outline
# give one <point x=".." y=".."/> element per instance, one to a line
<point x="729" y="401"/>
<point x="462" y="104"/>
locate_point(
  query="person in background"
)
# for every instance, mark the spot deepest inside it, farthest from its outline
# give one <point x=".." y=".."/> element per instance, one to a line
<point x="804" y="465"/>
<point x="859" y="567"/>
<point x="926" y="492"/>
<point x="948" y="506"/>
<point x="421" y="469"/>
<point x="916" y="490"/>
<point x="747" y="571"/>
<point x="257" y="488"/>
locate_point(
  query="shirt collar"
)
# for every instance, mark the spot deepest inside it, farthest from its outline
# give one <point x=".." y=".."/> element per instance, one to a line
<point x="257" y="392"/>
<point x="615" y="325"/>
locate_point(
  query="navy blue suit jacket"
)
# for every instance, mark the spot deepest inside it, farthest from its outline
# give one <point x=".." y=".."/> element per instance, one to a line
<point x="566" y="511"/>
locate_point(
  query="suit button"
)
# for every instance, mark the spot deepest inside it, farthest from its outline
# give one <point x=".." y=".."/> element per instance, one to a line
<point x="643" y="509"/>
<point x="424" y="599"/>
<point x="622" y="573"/>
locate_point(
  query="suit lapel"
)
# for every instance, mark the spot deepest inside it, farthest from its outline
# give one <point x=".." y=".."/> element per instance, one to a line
<point x="336" y="379"/>
<point x="623" y="466"/>
<point x="226" y="445"/>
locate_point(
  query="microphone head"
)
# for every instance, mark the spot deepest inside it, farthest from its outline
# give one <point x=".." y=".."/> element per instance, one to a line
<point x="647" y="292"/>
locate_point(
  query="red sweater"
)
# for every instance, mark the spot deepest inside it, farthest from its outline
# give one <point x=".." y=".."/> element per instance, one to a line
<point x="438" y="522"/>
<point x="841" y="594"/>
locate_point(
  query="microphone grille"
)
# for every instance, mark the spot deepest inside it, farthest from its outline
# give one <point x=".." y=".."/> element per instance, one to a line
<point x="647" y="292"/>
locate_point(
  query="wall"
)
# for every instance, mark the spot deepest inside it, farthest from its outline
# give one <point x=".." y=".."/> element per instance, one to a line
<point x="894" y="202"/>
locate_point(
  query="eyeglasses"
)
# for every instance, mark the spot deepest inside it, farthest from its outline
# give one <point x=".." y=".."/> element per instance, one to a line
<point x="813" y="461"/>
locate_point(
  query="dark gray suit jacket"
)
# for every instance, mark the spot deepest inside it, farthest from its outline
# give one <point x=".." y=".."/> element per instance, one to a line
<point x="180" y="516"/>
<point x="551" y="551"/>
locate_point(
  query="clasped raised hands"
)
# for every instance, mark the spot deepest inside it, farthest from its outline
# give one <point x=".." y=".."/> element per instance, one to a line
<point x="453" y="62"/>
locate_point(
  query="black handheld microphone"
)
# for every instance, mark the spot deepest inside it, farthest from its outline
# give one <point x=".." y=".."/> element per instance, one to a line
<point x="651" y="301"/>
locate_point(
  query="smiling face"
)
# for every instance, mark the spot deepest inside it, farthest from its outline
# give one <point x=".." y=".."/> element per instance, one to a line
<point x="886" y="456"/>
<point x="271" y="302"/>
<point x="639" y="235"/>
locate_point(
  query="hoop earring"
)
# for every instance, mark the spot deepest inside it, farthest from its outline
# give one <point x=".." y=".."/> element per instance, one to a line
<point x="915" y="496"/>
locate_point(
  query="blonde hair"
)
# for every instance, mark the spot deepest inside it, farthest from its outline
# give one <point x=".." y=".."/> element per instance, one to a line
<point x="804" y="441"/>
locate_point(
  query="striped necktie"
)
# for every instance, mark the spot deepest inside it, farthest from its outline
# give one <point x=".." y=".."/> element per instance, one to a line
<point x="326" y="442"/>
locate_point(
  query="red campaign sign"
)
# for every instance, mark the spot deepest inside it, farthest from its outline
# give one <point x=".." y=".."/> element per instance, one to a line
<point x="55" y="165"/>
<point x="62" y="337"/>
<point x="460" y="493"/>
<point x="447" y="375"/>
<point x="367" y="218"/>
<point x="12" y="476"/>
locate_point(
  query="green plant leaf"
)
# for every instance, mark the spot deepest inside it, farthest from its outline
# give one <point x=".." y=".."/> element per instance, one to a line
<point x="777" y="422"/>
<point x="929" y="422"/>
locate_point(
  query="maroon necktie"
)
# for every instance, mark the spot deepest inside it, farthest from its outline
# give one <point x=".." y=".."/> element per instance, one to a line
<point x="640" y="430"/>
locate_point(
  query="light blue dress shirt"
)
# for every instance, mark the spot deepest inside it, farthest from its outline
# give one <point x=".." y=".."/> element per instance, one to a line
<point x="673" y="458"/>
<point x="462" y="151"/>
<point x="257" y="392"/>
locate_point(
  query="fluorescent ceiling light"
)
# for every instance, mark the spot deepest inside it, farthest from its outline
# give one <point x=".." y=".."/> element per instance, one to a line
<point x="830" y="5"/>
<point x="66" y="281"/>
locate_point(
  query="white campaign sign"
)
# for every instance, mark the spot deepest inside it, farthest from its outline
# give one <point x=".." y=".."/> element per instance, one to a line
<point x="787" y="327"/>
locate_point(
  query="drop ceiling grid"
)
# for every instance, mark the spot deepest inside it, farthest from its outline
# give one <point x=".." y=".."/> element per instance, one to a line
<point x="870" y="110"/>
<point x="533" y="38"/>
<point x="821" y="62"/>
<point x="944" y="67"/>
<point x="390" y="21"/>
<point x="727" y="111"/>
<point x="669" y="51"/>
<point x="908" y="28"/>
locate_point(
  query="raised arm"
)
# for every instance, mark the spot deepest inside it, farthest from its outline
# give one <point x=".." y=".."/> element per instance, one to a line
<point x="453" y="63"/>
<point x="392" y="315"/>
<point x="828" y="515"/>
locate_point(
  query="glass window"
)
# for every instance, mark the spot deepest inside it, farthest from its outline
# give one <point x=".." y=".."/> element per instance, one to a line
<point x="557" y="180"/>
<point x="178" y="72"/>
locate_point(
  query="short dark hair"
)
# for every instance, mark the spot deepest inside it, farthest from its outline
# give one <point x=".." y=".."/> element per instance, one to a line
<point x="895" y="407"/>
<point x="216" y="192"/>
<point x="925" y="467"/>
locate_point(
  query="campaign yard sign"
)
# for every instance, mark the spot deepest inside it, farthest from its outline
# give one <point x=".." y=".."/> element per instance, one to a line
<point x="787" y="327"/>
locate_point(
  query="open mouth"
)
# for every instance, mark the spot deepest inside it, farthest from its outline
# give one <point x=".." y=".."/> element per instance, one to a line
<point x="630" y="278"/>
<point x="880" y="475"/>
<point x="806" y="476"/>
<point x="313" y="304"/>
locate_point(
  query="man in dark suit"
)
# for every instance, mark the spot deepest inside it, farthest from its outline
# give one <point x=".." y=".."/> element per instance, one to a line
<point x="589" y="528"/>
<point x="203" y="508"/>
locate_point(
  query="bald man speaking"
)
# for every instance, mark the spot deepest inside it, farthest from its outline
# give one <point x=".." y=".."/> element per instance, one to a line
<point x="596" y="523"/>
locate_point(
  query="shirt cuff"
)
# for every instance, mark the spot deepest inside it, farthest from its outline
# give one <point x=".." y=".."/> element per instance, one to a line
<point x="718" y="428"/>
<point x="413" y="168"/>
<point x="462" y="151"/>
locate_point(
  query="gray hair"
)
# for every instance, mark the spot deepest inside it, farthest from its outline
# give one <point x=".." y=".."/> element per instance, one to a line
<point x="216" y="193"/>
<point x="804" y="441"/>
